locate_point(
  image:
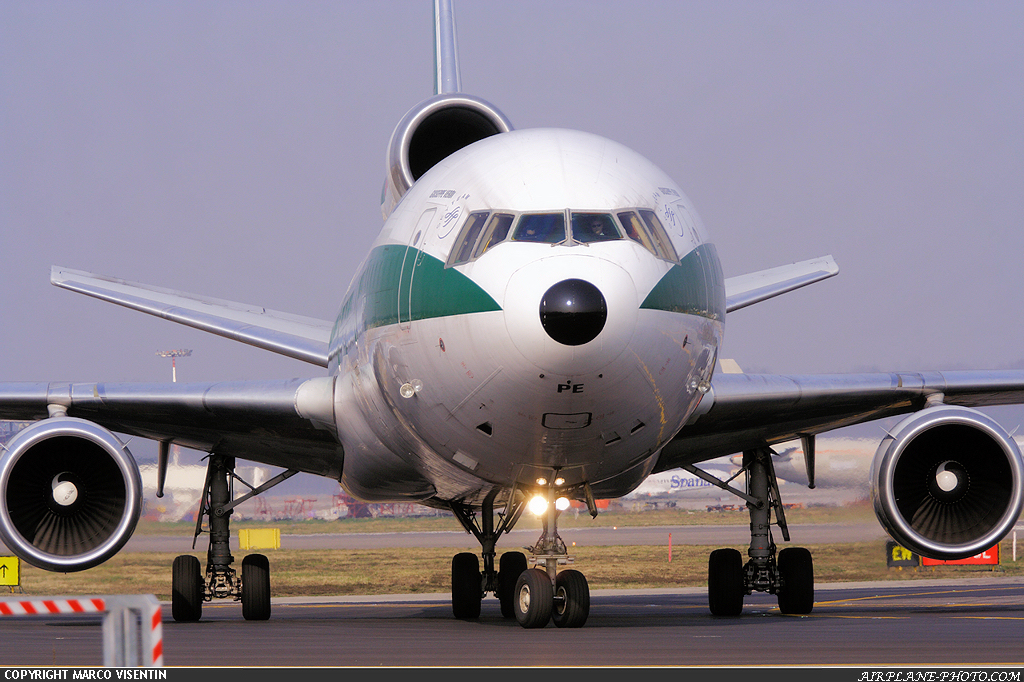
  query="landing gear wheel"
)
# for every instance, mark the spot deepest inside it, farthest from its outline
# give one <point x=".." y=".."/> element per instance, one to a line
<point x="186" y="589"/>
<point x="533" y="598"/>
<point x="796" y="569"/>
<point x="572" y="600"/>
<point x="725" y="582"/>
<point x="510" y="567"/>
<point x="255" y="587"/>
<point x="466" y="589"/>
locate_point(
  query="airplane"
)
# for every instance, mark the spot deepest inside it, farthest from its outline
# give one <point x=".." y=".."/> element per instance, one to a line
<point x="537" y="323"/>
<point x="678" y="482"/>
<point x="839" y="462"/>
<point x="182" y="487"/>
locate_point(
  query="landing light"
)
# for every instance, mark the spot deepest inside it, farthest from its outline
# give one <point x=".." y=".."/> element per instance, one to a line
<point x="410" y="388"/>
<point x="539" y="505"/>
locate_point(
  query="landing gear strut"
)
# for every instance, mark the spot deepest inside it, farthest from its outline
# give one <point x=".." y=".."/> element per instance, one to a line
<point x="533" y="596"/>
<point x="189" y="589"/>
<point x="790" y="576"/>
<point x="469" y="583"/>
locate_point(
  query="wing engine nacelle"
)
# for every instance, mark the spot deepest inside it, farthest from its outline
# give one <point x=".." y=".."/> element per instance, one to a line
<point x="946" y="483"/>
<point x="70" y="494"/>
<point x="431" y="131"/>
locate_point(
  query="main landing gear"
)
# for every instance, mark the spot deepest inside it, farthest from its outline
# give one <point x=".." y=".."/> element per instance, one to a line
<point x="790" y="576"/>
<point x="533" y="596"/>
<point x="189" y="588"/>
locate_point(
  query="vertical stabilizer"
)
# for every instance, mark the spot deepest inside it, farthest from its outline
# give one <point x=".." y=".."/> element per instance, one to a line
<point x="446" y="52"/>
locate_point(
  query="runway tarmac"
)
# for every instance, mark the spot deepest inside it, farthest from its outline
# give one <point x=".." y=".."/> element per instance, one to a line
<point x="967" y="622"/>
<point x="971" y="621"/>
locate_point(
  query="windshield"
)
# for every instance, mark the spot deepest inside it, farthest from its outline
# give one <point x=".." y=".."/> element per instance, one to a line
<point x="546" y="228"/>
<point x="662" y="244"/>
<point x="467" y="238"/>
<point x="484" y="230"/>
<point x="496" y="232"/>
<point x="593" y="227"/>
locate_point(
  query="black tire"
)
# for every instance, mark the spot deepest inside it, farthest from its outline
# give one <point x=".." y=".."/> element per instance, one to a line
<point x="796" y="569"/>
<point x="725" y="582"/>
<point x="510" y="567"/>
<point x="533" y="598"/>
<point x="187" y="589"/>
<point x="571" y="605"/>
<point x="466" y="589"/>
<point x="255" y="587"/>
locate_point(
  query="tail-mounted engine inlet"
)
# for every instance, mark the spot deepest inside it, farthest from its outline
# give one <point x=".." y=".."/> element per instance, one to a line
<point x="431" y="131"/>
<point x="946" y="482"/>
<point x="70" y="494"/>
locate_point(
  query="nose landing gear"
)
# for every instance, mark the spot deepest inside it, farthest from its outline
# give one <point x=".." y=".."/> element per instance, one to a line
<point x="533" y="596"/>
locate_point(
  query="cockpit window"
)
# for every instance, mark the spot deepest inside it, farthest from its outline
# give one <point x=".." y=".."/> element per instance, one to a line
<point x="662" y="244"/>
<point x="593" y="227"/>
<point x="648" y="233"/>
<point x="484" y="230"/>
<point x="468" y="238"/>
<point x="545" y="228"/>
<point x="636" y="230"/>
<point x="495" y="233"/>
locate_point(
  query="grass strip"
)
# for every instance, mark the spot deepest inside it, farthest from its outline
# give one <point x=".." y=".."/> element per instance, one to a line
<point x="421" y="571"/>
<point x="633" y="516"/>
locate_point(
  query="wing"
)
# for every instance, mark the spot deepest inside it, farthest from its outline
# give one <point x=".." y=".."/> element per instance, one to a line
<point x="302" y="338"/>
<point x="281" y="423"/>
<point x="749" y="411"/>
<point x="759" y="286"/>
<point x="89" y="484"/>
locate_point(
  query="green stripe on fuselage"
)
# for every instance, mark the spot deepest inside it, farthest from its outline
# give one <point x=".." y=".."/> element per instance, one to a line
<point x="392" y="271"/>
<point x="694" y="286"/>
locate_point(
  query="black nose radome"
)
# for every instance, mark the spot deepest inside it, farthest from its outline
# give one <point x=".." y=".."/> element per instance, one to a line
<point x="573" y="312"/>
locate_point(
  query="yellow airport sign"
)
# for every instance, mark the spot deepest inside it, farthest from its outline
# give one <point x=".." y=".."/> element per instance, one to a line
<point x="10" y="571"/>
<point x="259" y="538"/>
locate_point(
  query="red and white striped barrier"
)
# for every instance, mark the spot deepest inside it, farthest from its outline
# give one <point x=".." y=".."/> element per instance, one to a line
<point x="132" y="624"/>
<point x="156" y="638"/>
<point x="42" y="607"/>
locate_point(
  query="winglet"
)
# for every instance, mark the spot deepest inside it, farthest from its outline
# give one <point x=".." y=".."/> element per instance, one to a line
<point x="447" y="78"/>
<point x="759" y="286"/>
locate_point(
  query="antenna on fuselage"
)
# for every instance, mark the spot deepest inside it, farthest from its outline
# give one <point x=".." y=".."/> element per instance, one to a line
<point x="446" y="52"/>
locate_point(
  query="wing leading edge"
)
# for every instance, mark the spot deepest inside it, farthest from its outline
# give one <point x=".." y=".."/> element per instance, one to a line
<point x="750" y="411"/>
<point x="281" y="423"/>
<point x="755" y="287"/>
<point x="302" y="338"/>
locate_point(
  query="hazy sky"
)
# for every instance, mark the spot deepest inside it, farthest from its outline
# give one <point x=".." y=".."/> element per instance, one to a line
<point x="236" y="149"/>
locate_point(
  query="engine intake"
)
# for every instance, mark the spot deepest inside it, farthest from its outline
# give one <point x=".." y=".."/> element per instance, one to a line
<point x="946" y="483"/>
<point x="431" y="131"/>
<point x="70" y="494"/>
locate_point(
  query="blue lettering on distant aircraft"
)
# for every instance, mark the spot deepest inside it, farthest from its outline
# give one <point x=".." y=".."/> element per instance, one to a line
<point x="679" y="483"/>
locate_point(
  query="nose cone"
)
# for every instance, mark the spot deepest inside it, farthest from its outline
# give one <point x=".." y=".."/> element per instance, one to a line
<point x="573" y="312"/>
<point x="570" y="313"/>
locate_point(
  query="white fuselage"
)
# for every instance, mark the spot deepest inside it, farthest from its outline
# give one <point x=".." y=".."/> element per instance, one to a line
<point x="449" y="384"/>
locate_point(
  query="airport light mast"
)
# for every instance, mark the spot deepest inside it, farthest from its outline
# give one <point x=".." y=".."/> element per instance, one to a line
<point x="162" y="455"/>
<point x="174" y="355"/>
